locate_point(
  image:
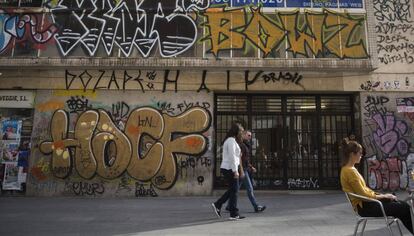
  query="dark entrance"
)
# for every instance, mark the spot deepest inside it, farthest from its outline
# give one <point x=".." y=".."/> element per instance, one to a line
<point x="295" y="137"/>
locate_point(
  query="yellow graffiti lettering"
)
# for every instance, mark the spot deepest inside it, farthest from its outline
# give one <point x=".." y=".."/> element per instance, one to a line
<point x="146" y="149"/>
<point x="61" y="142"/>
<point x="270" y="33"/>
<point x="194" y="120"/>
<point x="145" y="122"/>
<point x="85" y="162"/>
<point x="112" y="154"/>
<point x="222" y="26"/>
<point x="352" y="37"/>
<point x="311" y="34"/>
<point x="301" y="35"/>
<point x="76" y="92"/>
<point x="50" y="106"/>
<point x="43" y="166"/>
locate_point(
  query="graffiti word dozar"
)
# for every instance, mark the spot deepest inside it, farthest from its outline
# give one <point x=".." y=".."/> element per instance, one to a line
<point x="96" y="80"/>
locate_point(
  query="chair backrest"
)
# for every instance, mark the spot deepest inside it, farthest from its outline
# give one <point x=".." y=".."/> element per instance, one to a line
<point x="363" y="198"/>
<point x="388" y="219"/>
<point x="350" y="203"/>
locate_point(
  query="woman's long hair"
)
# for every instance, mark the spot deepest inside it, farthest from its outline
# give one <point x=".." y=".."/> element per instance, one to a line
<point x="349" y="147"/>
<point x="234" y="132"/>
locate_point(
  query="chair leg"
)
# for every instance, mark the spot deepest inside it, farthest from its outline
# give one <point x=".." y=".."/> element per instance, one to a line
<point x="389" y="229"/>
<point x="411" y="203"/>
<point x="399" y="227"/>
<point x="363" y="226"/>
<point x="357" y="226"/>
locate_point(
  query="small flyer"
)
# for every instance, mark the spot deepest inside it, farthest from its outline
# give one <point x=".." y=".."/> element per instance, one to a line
<point x="9" y="151"/>
<point x="11" y="177"/>
<point x="21" y="178"/>
<point x="11" y="129"/>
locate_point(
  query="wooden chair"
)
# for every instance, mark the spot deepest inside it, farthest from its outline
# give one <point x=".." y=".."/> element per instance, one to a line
<point x="389" y="220"/>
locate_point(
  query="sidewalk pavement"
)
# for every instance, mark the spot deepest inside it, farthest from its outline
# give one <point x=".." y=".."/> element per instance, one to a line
<point x="288" y="213"/>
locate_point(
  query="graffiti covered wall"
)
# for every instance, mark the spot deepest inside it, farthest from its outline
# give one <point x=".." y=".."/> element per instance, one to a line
<point x="187" y="28"/>
<point x="387" y="106"/>
<point x="112" y="143"/>
<point x="395" y="34"/>
<point x="388" y="136"/>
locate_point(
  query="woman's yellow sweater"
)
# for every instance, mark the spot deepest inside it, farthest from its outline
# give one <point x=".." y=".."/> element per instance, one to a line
<point x="353" y="182"/>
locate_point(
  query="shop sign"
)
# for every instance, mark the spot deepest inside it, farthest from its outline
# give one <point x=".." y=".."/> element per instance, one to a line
<point x="16" y="99"/>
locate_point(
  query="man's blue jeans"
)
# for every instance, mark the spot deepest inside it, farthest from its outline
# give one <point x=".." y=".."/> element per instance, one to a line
<point x="247" y="181"/>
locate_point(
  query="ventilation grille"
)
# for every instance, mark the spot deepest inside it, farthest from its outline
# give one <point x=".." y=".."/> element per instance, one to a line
<point x="301" y="104"/>
<point x="267" y="104"/>
<point x="335" y="104"/>
<point x="232" y="103"/>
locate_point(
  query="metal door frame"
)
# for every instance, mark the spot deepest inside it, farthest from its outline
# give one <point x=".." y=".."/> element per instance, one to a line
<point x="284" y="113"/>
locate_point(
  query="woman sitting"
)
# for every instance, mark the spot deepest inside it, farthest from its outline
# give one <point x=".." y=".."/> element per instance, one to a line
<point x="353" y="182"/>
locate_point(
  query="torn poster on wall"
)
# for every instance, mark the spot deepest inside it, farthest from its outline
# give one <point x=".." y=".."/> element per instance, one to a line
<point x="11" y="179"/>
<point x="405" y="104"/>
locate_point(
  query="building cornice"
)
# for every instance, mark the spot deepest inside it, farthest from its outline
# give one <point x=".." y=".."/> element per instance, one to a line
<point x="303" y="64"/>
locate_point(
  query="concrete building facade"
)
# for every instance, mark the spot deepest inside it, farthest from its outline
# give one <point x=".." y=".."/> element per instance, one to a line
<point x="133" y="98"/>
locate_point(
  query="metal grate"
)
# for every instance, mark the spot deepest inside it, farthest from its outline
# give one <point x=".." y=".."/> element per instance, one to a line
<point x="266" y="104"/>
<point x="231" y="103"/>
<point x="301" y="104"/>
<point x="295" y="138"/>
<point x="335" y="104"/>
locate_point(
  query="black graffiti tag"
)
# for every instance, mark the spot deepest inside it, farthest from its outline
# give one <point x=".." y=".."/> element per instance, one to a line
<point x="90" y="189"/>
<point x="142" y="190"/>
<point x="393" y="10"/>
<point x="77" y="104"/>
<point x="128" y="24"/>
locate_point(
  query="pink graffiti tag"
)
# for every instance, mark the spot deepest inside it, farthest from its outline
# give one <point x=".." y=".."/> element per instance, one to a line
<point x="385" y="173"/>
<point x="388" y="136"/>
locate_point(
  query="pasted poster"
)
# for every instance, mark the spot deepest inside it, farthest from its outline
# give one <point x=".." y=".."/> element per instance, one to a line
<point x="10" y="129"/>
<point x="11" y="177"/>
<point x="22" y="176"/>
<point x="23" y="159"/>
<point x="405" y="104"/>
<point x="9" y="151"/>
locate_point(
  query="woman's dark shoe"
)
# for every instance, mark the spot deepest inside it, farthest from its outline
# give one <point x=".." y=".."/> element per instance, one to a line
<point x="259" y="209"/>
<point x="238" y="217"/>
<point x="216" y="210"/>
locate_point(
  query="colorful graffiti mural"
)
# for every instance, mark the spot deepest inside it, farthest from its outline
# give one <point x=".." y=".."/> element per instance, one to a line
<point x="136" y="28"/>
<point x="107" y="143"/>
<point x="22" y="28"/>
<point x="145" y="149"/>
<point x="310" y="34"/>
<point x="388" y="144"/>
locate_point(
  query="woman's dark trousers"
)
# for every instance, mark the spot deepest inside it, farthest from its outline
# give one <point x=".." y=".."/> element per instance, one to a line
<point x="398" y="209"/>
<point x="230" y="194"/>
